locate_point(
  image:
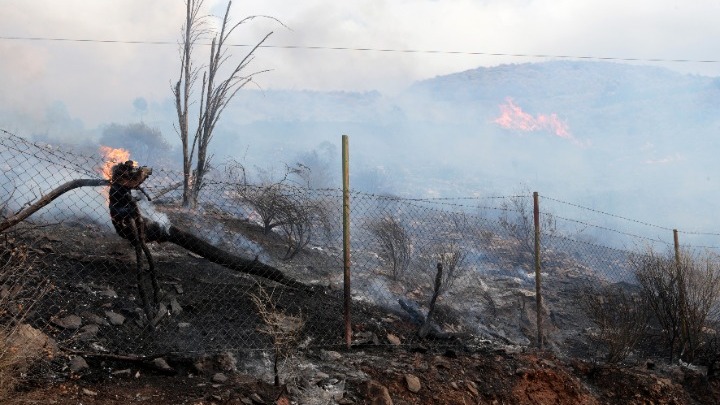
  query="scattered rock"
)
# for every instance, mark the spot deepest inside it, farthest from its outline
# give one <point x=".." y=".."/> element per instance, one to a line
<point x="31" y="343"/>
<point x="126" y="371"/>
<point x="115" y="318"/>
<point x="183" y="325"/>
<point x="178" y="288"/>
<point x="162" y="365"/>
<point x="89" y="393"/>
<point x="365" y="337"/>
<point x="413" y="383"/>
<point x="175" y="307"/>
<point x="393" y="339"/>
<point x="90" y="317"/>
<point x="219" y="378"/>
<point x="330" y="355"/>
<point x="256" y="399"/>
<point x="98" y="347"/>
<point x="377" y="394"/>
<point x="472" y="387"/>
<point x="110" y="293"/>
<point x="78" y="364"/>
<point x="88" y="332"/>
<point x="161" y="313"/>
<point x="68" y="322"/>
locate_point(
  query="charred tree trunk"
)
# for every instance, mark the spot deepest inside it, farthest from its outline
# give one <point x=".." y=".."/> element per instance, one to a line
<point x="425" y="328"/>
<point x="188" y="241"/>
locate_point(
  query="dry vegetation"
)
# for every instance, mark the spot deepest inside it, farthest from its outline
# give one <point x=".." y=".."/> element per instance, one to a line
<point x="20" y="345"/>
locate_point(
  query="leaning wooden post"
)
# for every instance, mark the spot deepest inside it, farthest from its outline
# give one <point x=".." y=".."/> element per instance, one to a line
<point x="538" y="292"/>
<point x="346" y="238"/>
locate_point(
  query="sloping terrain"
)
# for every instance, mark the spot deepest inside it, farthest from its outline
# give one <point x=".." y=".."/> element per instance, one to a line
<point x="92" y="274"/>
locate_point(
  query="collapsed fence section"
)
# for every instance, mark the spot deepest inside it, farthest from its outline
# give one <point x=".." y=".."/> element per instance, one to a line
<point x="256" y="264"/>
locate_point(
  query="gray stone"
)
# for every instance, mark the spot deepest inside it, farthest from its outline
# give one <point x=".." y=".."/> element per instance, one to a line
<point x="175" y="307"/>
<point x="68" y="322"/>
<point x="90" y="317"/>
<point x="330" y="355"/>
<point x="110" y="293"/>
<point x="219" y="378"/>
<point x="88" y="332"/>
<point x="161" y="364"/>
<point x="78" y="364"/>
<point x="393" y="339"/>
<point x="115" y="318"/>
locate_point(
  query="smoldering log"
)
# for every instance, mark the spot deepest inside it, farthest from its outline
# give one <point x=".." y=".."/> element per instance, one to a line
<point x="186" y="240"/>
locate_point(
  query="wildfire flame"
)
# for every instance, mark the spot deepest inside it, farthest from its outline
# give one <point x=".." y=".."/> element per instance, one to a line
<point x="112" y="157"/>
<point x="513" y="117"/>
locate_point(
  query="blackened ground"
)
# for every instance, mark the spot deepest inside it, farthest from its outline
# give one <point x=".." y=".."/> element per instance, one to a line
<point x="93" y="271"/>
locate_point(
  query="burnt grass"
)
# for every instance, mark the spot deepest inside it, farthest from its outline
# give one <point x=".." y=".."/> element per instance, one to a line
<point x="90" y="271"/>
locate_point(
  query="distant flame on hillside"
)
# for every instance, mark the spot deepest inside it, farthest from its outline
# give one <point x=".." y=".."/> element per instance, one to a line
<point x="513" y="117"/>
<point x="112" y="157"/>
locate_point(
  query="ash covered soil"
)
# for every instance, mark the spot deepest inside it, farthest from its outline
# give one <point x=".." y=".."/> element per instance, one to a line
<point x="209" y="310"/>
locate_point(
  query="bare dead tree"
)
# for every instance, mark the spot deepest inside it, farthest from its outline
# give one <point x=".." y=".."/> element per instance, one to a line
<point x="216" y="92"/>
<point x="284" y="206"/>
<point x="681" y="295"/>
<point x="622" y="318"/>
<point x="701" y="277"/>
<point x="452" y="257"/>
<point x="425" y="327"/>
<point x="395" y="244"/>
<point x="301" y="221"/>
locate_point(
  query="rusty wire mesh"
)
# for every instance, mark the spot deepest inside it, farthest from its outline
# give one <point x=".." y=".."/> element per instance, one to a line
<point x="88" y="280"/>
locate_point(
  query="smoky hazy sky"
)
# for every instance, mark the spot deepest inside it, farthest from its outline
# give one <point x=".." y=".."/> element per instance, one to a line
<point x="96" y="79"/>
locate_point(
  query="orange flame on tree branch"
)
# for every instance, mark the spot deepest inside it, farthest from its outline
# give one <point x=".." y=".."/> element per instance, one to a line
<point x="112" y="157"/>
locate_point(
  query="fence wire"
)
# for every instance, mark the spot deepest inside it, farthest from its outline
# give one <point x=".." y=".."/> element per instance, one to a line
<point x="245" y="244"/>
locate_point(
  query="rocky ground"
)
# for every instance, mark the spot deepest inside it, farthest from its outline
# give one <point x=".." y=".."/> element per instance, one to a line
<point x="96" y="348"/>
<point x="488" y="374"/>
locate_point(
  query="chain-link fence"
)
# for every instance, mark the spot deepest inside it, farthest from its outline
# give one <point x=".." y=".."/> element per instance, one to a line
<point x="249" y="255"/>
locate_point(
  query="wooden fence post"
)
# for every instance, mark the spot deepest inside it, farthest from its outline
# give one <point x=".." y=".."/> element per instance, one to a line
<point x="346" y="239"/>
<point x="682" y="292"/>
<point x="538" y="284"/>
